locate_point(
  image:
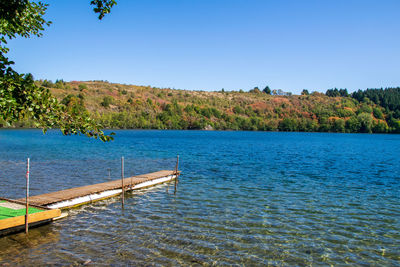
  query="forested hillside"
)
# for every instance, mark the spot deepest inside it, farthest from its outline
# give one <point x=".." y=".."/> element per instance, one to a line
<point x="145" y="107"/>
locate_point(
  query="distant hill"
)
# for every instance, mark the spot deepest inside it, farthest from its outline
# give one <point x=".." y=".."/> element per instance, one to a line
<point x="145" y="107"/>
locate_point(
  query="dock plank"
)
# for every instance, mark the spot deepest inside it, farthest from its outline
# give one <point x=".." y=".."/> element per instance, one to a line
<point x="67" y="194"/>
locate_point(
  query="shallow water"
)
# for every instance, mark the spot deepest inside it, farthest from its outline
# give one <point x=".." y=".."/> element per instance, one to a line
<point x="245" y="198"/>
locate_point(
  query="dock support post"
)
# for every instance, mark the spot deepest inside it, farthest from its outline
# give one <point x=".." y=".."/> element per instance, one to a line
<point x="122" y="180"/>
<point x="176" y="172"/>
<point x="27" y="198"/>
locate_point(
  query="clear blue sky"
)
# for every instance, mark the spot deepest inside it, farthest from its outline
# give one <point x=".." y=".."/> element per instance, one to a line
<point x="214" y="44"/>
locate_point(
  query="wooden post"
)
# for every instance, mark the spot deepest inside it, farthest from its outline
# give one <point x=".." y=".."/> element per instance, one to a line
<point x="122" y="180"/>
<point x="177" y="163"/>
<point x="176" y="172"/>
<point x="27" y="198"/>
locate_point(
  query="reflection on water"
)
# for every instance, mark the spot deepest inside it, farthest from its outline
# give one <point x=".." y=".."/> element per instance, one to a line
<point x="244" y="198"/>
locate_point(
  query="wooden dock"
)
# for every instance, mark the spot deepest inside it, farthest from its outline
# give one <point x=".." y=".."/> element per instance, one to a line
<point x="13" y="215"/>
<point x="85" y="194"/>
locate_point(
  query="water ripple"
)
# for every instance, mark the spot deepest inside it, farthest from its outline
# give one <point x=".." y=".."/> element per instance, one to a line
<point x="245" y="198"/>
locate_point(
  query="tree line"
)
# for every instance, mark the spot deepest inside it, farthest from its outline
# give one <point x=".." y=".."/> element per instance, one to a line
<point x="144" y="107"/>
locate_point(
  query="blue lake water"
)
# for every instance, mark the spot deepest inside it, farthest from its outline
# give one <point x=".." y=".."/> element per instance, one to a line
<point x="245" y="198"/>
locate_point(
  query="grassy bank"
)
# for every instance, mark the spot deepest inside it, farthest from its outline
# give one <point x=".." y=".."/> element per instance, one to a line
<point x="145" y="107"/>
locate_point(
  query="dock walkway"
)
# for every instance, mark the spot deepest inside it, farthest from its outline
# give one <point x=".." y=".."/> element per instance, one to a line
<point x="79" y="192"/>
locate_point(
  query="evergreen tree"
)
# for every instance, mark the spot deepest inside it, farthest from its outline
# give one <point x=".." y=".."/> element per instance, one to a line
<point x="267" y="90"/>
<point x="305" y="92"/>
